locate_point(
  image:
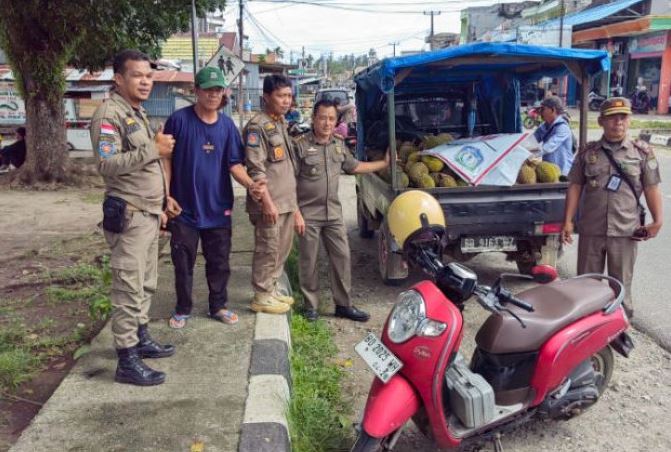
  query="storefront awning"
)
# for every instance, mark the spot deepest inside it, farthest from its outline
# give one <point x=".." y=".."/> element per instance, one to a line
<point x="592" y="14"/>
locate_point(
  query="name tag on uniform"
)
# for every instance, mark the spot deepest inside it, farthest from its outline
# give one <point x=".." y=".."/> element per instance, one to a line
<point x="614" y="183"/>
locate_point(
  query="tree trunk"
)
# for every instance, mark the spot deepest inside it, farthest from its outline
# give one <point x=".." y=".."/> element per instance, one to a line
<point x="46" y="145"/>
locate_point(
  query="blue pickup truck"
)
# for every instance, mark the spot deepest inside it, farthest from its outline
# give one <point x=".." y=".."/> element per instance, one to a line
<point x="469" y="90"/>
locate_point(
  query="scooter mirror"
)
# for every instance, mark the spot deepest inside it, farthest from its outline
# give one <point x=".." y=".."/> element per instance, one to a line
<point x="544" y="274"/>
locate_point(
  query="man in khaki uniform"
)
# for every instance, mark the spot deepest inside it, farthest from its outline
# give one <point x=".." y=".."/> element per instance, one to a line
<point x="268" y="157"/>
<point x="129" y="154"/>
<point x="320" y="157"/>
<point x="608" y="218"/>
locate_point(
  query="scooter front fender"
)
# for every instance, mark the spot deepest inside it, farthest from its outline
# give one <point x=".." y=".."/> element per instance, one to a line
<point x="389" y="406"/>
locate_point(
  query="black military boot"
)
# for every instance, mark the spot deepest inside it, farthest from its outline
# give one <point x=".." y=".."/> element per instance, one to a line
<point x="149" y="348"/>
<point x="132" y="370"/>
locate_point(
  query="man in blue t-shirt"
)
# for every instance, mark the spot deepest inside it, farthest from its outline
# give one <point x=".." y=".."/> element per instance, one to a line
<point x="208" y="150"/>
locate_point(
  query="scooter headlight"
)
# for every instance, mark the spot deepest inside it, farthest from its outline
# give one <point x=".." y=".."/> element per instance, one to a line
<point x="406" y="316"/>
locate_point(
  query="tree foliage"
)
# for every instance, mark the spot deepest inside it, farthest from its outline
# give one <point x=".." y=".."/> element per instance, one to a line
<point x="41" y="37"/>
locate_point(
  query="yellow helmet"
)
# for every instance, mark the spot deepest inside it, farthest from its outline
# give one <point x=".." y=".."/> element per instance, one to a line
<point x="411" y="212"/>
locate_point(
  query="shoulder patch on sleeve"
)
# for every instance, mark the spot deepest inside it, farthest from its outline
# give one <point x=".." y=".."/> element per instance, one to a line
<point x="106" y="147"/>
<point x="106" y="128"/>
<point x="253" y="139"/>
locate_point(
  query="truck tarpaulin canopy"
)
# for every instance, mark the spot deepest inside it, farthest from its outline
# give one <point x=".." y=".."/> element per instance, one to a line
<point x="492" y="72"/>
<point x="471" y="62"/>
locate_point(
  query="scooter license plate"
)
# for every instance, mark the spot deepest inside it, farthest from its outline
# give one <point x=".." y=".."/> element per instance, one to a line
<point x="492" y="243"/>
<point x="378" y="357"/>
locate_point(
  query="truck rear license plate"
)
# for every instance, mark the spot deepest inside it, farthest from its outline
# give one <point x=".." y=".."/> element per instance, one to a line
<point x="378" y="357"/>
<point x="483" y="244"/>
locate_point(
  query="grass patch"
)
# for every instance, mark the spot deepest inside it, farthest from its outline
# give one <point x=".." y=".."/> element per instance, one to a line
<point x="317" y="414"/>
<point x="17" y="362"/>
<point x="316" y="419"/>
<point x="84" y="282"/>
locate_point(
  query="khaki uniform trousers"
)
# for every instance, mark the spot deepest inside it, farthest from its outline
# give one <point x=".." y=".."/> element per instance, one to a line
<point x="620" y="255"/>
<point x="334" y="237"/>
<point x="134" y="264"/>
<point x="272" y="245"/>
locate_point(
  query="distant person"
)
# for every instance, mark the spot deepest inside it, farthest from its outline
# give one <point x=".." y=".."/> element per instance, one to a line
<point x="554" y="135"/>
<point x="14" y="155"/>
<point x="208" y="151"/>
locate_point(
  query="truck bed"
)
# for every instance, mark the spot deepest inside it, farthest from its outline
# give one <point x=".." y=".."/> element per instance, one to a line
<point x="482" y="210"/>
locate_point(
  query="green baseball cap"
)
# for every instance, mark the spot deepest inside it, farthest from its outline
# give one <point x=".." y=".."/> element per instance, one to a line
<point x="209" y="77"/>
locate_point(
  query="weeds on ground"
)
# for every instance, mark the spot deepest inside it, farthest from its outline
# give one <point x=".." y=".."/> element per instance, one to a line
<point x="84" y="282"/>
<point x="317" y="412"/>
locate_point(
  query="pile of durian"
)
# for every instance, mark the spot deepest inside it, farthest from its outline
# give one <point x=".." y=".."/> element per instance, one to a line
<point x="424" y="171"/>
<point x="535" y="171"/>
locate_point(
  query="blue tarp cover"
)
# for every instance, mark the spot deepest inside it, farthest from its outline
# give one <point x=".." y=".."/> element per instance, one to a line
<point x="511" y="58"/>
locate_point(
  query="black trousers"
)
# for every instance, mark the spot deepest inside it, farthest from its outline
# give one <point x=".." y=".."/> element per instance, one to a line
<point x="216" y="245"/>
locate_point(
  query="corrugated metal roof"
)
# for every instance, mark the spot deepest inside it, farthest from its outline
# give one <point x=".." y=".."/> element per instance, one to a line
<point x="592" y="14"/>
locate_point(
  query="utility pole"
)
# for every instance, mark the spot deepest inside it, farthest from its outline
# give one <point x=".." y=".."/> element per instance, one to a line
<point x="394" y="44"/>
<point x="242" y="40"/>
<point x="432" y="13"/>
<point x="561" y="22"/>
<point x="194" y="38"/>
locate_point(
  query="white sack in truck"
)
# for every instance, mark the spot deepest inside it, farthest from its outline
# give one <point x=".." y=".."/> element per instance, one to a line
<point x="489" y="160"/>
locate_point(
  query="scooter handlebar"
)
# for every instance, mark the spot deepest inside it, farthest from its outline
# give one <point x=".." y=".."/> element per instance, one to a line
<point x="507" y="297"/>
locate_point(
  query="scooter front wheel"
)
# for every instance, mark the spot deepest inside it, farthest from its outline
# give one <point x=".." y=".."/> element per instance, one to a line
<point x="366" y="443"/>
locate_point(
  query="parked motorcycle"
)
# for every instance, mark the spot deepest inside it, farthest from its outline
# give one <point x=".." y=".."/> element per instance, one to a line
<point x="595" y="100"/>
<point x="298" y="128"/>
<point x="531" y="117"/>
<point x="545" y="353"/>
<point x="640" y="100"/>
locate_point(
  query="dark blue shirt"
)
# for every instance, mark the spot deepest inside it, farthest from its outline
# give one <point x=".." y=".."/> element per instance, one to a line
<point x="203" y="154"/>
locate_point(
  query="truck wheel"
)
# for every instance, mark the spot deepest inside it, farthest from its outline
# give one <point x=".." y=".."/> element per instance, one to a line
<point x="393" y="270"/>
<point x="524" y="267"/>
<point x="364" y="229"/>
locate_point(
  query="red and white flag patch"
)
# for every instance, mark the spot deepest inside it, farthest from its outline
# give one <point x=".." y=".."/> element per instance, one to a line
<point x="107" y="128"/>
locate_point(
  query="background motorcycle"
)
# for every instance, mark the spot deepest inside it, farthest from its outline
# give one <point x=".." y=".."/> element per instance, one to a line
<point x="531" y="117"/>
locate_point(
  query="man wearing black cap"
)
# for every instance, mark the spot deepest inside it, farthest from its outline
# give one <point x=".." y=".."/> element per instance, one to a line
<point x="607" y="179"/>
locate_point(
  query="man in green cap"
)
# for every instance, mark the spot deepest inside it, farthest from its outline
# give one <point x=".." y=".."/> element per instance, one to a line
<point x="208" y="150"/>
<point x="607" y="179"/>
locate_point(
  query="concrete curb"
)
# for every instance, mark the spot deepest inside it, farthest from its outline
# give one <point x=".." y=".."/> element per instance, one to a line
<point x="659" y="137"/>
<point x="264" y="425"/>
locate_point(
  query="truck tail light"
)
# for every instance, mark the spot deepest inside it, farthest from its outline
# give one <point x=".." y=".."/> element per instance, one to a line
<point x="548" y="228"/>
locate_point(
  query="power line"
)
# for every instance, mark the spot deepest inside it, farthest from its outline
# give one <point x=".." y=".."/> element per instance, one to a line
<point x="351" y="7"/>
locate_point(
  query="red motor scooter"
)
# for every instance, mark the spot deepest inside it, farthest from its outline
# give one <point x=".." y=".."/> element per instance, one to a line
<point x="546" y="352"/>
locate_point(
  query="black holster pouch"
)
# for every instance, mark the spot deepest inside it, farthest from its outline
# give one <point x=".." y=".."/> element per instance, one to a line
<point x="114" y="214"/>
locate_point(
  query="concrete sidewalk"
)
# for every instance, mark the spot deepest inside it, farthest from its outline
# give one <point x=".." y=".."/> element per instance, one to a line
<point x="203" y="398"/>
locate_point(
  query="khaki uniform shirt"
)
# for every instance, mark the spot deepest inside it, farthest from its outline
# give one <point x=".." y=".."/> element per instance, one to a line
<point x="318" y="168"/>
<point x="127" y="156"/>
<point x="612" y="213"/>
<point x="268" y="155"/>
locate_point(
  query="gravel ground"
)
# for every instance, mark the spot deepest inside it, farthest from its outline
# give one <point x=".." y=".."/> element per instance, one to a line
<point x="632" y="415"/>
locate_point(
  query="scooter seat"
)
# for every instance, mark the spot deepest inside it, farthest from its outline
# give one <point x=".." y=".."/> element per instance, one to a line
<point x="556" y="305"/>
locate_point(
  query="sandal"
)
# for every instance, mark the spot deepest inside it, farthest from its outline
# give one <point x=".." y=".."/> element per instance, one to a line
<point x="225" y="316"/>
<point x="177" y="321"/>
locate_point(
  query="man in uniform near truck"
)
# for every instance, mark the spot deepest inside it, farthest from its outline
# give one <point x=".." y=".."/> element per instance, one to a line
<point x="320" y="157"/>
<point x="129" y="154"/>
<point x="268" y="157"/>
<point x="609" y="221"/>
